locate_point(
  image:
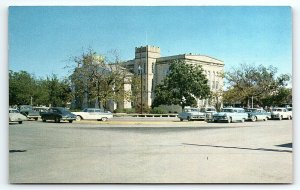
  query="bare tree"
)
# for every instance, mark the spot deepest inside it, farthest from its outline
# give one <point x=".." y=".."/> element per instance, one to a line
<point x="97" y="79"/>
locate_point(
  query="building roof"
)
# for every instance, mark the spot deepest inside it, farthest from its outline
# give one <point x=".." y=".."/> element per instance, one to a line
<point x="201" y="58"/>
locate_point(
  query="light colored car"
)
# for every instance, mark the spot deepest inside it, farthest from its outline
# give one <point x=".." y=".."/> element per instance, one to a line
<point x="255" y="114"/>
<point x="191" y="114"/>
<point x="230" y="114"/>
<point x="93" y="114"/>
<point x="16" y="116"/>
<point x="281" y="113"/>
<point x="290" y="110"/>
<point x="209" y="111"/>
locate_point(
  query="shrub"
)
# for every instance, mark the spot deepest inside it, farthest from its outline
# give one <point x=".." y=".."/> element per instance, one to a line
<point x="118" y="110"/>
<point x="158" y="110"/>
<point x="129" y="110"/>
<point x="124" y="110"/>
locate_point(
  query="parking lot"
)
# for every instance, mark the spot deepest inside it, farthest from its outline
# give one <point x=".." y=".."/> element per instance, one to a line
<point x="146" y="150"/>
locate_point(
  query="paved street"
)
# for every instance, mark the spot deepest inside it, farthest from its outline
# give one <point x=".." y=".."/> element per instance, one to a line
<point x="159" y="150"/>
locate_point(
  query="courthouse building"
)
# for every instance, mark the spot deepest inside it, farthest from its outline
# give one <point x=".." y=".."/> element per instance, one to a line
<point x="155" y="68"/>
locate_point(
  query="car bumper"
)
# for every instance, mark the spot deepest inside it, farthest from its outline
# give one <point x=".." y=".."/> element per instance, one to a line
<point x="33" y="116"/>
<point x="220" y="118"/>
<point x="198" y="117"/>
<point x="275" y="116"/>
<point x="16" y="120"/>
<point x="68" y="119"/>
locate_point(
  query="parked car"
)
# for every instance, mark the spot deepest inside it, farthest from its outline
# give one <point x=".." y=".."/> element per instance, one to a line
<point x="290" y="110"/>
<point x="93" y="114"/>
<point x="16" y="116"/>
<point x="230" y="114"/>
<point x="58" y="114"/>
<point x="255" y="114"/>
<point x="191" y="114"/>
<point x="40" y="109"/>
<point x="281" y="113"/>
<point x="28" y="111"/>
<point x="209" y="111"/>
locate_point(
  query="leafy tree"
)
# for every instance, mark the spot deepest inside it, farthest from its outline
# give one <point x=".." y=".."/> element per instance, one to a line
<point x="281" y="96"/>
<point x="59" y="92"/>
<point x="250" y="81"/>
<point x="24" y="87"/>
<point x="21" y="87"/>
<point x="183" y="84"/>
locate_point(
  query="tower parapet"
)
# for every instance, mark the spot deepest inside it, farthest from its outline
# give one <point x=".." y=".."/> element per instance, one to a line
<point x="145" y="57"/>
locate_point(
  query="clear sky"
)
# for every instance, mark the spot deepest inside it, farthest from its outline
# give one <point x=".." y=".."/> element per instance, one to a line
<point x="42" y="39"/>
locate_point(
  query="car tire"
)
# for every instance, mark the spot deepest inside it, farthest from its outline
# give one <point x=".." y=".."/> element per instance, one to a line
<point x="181" y="119"/>
<point x="188" y="118"/>
<point x="78" y="118"/>
<point x="44" y="120"/>
<point x="253" y="118"/>
<point x="57" y="120"/>
<point x="70" y="121"/>
<point x="35" y="119"/>
<point x="104" y="118"/>
<point x="229" y="120"/>
<point x="280" y="117"/>
<point x="289" y="117"/>
<point x="20" y="122"/>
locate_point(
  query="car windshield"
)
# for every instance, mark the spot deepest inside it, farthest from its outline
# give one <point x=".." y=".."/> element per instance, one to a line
<point x="13" y="111"/>
<point x="64" y="111"/>
<point x="251" y="110"/>
<point x="25" y="107"/>
<point x="228" y="110"/>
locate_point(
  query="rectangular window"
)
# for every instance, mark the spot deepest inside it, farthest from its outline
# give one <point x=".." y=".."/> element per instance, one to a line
<point x="153" y="68"/>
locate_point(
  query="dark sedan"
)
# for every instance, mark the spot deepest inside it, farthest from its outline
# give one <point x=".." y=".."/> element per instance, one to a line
<point x="58" y="114"/>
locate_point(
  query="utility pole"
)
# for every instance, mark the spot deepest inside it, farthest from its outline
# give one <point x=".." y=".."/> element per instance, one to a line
<point x="252" y="101"/>
<point x="31" y="100"/>
<point x="140" y="71"/>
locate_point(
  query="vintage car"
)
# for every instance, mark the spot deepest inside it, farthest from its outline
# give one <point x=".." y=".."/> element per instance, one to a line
<point x="93" y="114"/>
<point x="58" y="114"/>
<point x="29" y="112"/>
<point x="290" y="110"/>
<point x="191" y="114"/>
<point x="40" y="109"/>
<point x="230" y="114"/>
<point x="16" y="116"/>
<point x="281" y="113"/>
<point x="255" y="114"/>
<point x="209" y="111"/>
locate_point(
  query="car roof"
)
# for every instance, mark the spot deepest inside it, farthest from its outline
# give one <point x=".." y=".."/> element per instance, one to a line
<point x="234" y="108"/>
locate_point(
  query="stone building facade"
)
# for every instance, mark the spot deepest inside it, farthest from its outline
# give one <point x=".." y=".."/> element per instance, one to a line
<point x="155" y="68"/>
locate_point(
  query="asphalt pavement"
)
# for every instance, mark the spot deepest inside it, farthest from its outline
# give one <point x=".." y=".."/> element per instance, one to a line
<point x="151" y="151"/>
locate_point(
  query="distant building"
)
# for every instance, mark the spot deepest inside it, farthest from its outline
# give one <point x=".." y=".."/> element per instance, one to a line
<point x="155" y="68"/>
<point x="82" y="93"/>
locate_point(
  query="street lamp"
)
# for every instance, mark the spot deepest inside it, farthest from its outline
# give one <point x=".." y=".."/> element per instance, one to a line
<point x="140" y="71"/>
